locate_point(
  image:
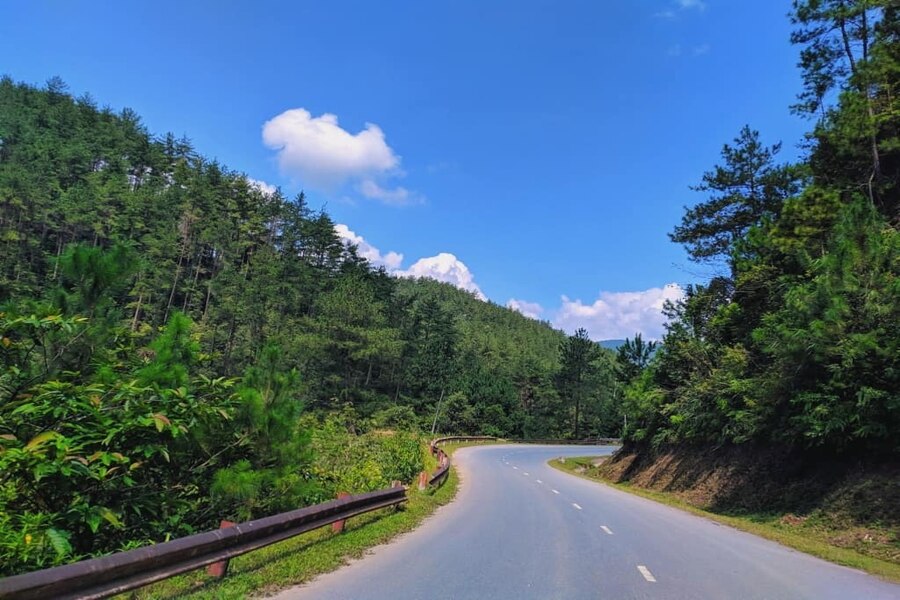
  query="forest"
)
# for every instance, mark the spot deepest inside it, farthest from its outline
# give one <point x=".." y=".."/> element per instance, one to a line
<point x="178" y="346"/>
<point x="796" y="339"/>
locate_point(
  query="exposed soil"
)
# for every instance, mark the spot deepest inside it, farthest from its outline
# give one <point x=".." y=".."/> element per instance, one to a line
<point x="849" y="501"/>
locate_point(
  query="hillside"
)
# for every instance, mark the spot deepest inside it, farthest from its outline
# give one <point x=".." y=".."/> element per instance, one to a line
<point x="179" y="345"/>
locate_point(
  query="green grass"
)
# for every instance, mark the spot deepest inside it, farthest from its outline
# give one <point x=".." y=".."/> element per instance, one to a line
<point x="812" y="540"/>
<point x="302" y="558"/>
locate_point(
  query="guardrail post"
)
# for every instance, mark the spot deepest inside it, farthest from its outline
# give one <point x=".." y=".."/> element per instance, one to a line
<point x="219" y="569"/>
<point x="338" y="526"/>
<point x="423" y="480"/>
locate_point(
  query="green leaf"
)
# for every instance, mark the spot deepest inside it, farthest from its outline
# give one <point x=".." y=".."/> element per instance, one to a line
<point x="39" y="440"/>
<point x="59" y="539"/>
<point x="111" y="517"/>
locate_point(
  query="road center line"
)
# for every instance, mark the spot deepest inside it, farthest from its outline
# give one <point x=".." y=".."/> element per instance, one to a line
<point x="554" y="491"/>
<point x="606" y="529"/>
<point x="646" y="573"/>
<point x="525" y="473"/>
<point x="515" y="467"/>
<point x="576" y="506"/>
<point x="539" y="481"/>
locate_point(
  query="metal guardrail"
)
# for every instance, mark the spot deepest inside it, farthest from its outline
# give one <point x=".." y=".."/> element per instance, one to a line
<point x="438" y="477"/>
<point x="588" y="442"/>
<point x="109" y="575"/>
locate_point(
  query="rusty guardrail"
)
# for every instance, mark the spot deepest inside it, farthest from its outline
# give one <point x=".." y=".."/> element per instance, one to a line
<point x="109" y="575"/>
<point x="438" y="477"/>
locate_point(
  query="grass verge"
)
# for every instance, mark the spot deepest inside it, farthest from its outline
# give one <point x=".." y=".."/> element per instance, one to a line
<point x="773" y="527"/>
<point x="302" y="558"/>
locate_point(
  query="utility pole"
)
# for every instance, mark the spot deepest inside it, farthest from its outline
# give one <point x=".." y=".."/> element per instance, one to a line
<point x="437" y="409"/>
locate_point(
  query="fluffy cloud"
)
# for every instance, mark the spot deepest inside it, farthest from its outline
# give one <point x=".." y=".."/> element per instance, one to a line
<point x="319" y="152"/>
<point x="443" y="267"/>
<point x="532" y="310"/>
<point x="617" y="315"/>
<point x="390" y="261"/>
<point x="447" y="268"/>
<point x="266" y="188"/>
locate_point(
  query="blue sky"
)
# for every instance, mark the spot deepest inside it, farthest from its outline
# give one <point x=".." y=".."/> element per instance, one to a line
<point x="538" y="150"/>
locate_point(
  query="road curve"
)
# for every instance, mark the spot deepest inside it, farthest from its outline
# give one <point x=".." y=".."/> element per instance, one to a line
<point x="520" y="529"/>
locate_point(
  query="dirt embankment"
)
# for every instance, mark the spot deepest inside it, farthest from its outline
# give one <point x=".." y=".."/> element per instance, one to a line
<point x="851" y="502"/>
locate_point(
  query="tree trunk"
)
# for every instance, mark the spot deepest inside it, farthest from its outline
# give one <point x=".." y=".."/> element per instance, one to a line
<point x="137" y="312"/>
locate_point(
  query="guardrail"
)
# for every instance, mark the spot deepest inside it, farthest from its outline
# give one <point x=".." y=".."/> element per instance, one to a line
<point x="109" y="575"/>
<point x="117" y="573"/>
<point x="588" y="442"/>
<point x="437" y="478"/>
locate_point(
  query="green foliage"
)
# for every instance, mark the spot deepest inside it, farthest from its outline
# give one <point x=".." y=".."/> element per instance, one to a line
<point x="90" y="460"/>
<point x="800" y="345"/>
<point x="348" y="462"/>
<point x="273" y="472"/>
<point x="748" y="188"/>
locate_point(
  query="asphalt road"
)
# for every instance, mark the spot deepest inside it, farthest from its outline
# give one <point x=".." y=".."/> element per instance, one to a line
<point x="520" y="529"/>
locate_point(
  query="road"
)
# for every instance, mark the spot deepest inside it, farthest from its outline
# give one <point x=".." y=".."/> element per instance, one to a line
<point x="520" y="529"/>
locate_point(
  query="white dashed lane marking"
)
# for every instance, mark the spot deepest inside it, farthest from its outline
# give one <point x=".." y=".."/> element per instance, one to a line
<point x="606" y="529"/>
<point x="554" y="491"/>
<point x="515" y="467"/>
<point x="576" y="506"/>
<point x="646" y="573"/>
<point x="525" y="473"/>
<point x="539" y="481"/>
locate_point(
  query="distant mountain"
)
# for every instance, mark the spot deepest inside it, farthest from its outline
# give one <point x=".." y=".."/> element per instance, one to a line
<point x="611" y="344"/>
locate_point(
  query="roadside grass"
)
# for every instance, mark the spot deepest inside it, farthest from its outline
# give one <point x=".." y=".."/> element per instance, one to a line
<point x="812" y="539"/>
<point x="300" y="559"/>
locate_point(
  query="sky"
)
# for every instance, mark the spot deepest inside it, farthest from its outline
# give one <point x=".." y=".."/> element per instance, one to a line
<point x="536" y="153"/>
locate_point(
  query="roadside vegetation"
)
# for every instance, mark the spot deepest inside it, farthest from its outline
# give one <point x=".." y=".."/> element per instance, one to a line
<point x="301" y="559"/>
<point x="826" y="532"/>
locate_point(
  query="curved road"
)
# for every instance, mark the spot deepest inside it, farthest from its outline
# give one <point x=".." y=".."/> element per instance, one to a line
<point x="520" y="529"/>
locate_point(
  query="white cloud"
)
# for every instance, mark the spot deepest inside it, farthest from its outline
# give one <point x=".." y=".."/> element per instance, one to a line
<point x="617" y="315"/>
<point x="700" y="50"/>
<point x="665" y="14"/>
<point x="323" y="155"/>
<point x="442" y="267"/>
<point x="532" y="310"/>
<point x="397" y="196"/>
<point x="266" y="188"/>
<point x="447" y="268"/>
<point x="390" y="261"/>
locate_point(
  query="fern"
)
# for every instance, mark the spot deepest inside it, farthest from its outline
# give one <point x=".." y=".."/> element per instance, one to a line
<point x="59" y="540"/>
